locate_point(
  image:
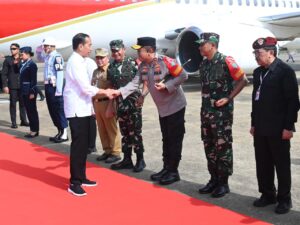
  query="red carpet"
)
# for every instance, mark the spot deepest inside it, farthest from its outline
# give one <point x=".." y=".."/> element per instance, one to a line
<point x="34" y="184"/>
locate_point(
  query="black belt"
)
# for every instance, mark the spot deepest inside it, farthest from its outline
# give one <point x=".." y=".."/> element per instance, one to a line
<point x="102" y="99"/>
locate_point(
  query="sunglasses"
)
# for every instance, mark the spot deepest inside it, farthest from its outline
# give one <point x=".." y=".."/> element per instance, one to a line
<point x="13" y="48"/>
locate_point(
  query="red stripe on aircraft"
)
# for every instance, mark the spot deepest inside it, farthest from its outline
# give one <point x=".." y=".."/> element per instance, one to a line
<point x="24" y="15"/>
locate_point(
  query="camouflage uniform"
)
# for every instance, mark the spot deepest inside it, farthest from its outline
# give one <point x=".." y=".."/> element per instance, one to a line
<point x="216" y="122"/>
<point x="129" y="116"/>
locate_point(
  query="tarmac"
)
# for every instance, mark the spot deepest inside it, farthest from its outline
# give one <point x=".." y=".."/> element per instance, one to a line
<point x="193" y="166"/>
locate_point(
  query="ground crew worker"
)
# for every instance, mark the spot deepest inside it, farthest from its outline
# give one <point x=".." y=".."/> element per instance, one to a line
<point x="170" y="102"/>
<point x="120" y="72"/>
<point x="107" y="124"/>
<point x="54" y="81"/>
<point x="275" y="104"/>
<point x="218" y="73"/>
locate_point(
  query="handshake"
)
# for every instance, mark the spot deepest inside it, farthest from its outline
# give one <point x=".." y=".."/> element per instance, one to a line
<point x="109" y="93"/>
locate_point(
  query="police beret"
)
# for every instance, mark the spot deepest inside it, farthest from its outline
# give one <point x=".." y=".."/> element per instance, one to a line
<point x="102" y="52"/>
<point x="208" y="37"/>
<point x="144" y="41"/>
<point x="27" y="50"/>
<point x="268" y="42"/>
<point x="116" y="44"/>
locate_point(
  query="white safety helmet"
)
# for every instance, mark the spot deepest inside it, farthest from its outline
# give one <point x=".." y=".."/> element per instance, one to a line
<point x="49" y="41"/>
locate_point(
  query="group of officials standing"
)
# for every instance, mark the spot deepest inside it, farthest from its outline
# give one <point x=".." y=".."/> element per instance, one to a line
<point x="113" y="93"/>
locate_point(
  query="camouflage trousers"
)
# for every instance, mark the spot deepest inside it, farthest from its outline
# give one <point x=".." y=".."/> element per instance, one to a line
<point x="217" y="139"/>
<point x="130" y="123"/>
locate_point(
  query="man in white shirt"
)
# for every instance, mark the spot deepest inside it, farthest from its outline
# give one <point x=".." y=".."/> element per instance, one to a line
<point x="78" y="94"/>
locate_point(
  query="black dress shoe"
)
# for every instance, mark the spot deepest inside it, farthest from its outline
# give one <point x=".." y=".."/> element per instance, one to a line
<point x="31" y="135"/>
<point x="24" y="124"/>
<point x="139" y="166"/>
<point x="112" y="158"/>
<point x="264" y="200"/>
<point x="220" y="191"/>
<point x="102" y="157"/>
<point x="42" y="98"/>
<point x="126" y="163"/>
<point x="209" y="187"/>
<point x="91" y="150"/>
<point x="55" y="137"/>
<point x="169" y="178"/>
<point x="14" y="126"/>
<point x="159" y="175"/>
<point x="60" y="140"/>
<point x="283" y="207"/>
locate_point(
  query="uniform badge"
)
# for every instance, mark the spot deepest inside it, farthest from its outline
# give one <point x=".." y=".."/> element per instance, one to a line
<point x="58" y="64"/>
<point x="235" y="71"/>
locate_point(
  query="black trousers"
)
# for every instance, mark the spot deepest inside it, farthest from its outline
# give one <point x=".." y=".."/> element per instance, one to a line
<point x="273" y="153"/>
<point x="32" y="113"/>
<point x="93" y="132"/>
<point x="14" y="97"/>
<point x="80" y="134"/>
<point x="172" y="129"/>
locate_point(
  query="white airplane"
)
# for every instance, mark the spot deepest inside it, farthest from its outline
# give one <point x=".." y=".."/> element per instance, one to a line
<point x="175" y="23"/>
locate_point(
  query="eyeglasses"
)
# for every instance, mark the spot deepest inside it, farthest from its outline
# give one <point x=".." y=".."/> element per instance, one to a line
<point x="13" y="48"/>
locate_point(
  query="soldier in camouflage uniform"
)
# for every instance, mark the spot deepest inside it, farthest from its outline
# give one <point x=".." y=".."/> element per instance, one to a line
<point x="120" y="72"/>
<point x="218" y="73"/>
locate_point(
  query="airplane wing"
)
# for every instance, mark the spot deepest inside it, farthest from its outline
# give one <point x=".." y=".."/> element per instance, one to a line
<point x="284" y="26"/>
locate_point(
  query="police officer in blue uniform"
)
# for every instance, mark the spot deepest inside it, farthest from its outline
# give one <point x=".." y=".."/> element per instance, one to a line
<point x="54" y="79"/>
<point x="28" y="81"/>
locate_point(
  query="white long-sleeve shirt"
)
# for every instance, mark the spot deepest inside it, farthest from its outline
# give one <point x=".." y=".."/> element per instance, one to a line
<point x="78" y="91"/>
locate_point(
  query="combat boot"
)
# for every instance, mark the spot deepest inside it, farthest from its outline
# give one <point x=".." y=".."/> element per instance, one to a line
<point x="222" y="188"/>
<point x="172" y="174"/>
<point x="160" y="174"/>
<point x="210" y="186"/>
<point x="62" y="137"/>
<point x="126" y="163"/>
<point x="140" y="163"/>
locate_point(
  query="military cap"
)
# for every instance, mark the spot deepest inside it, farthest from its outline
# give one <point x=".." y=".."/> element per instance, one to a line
<point x="208" y="37"/>
<point x="116" y="44"/>
<point x="27" y="50"/>
<point x="144" y="41"/>
<point x="102" y="52"/>
<point x="268" y="42"/>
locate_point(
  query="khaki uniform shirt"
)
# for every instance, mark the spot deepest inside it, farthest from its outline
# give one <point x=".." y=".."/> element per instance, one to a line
<point x="99" y="78"/>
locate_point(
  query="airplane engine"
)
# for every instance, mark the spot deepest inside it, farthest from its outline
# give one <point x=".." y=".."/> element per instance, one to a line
<point x="187" y="49"/>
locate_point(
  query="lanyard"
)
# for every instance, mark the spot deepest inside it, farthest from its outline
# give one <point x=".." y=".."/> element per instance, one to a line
<point x="261" y="77"/>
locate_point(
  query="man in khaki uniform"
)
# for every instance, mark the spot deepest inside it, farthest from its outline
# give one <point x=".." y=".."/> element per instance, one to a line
<point x="106" y="121"/>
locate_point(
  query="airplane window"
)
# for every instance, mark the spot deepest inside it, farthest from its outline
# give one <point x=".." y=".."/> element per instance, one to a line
<point x="255" y="2"/>
<point x="230" y="2"/>
<point x="298" y="4"/>
<point x="270" y="3"/>
<point x="276" y="3"/>
<point x="240" y="2"/>
<point x="220" y="2"/>
<point x="283" y="3"/>
<point x="204" y="2"/>
<point x="291" y="4"/>
<point x="247" y="2"/>
<point x="263" y="3"/>
<point x="187" y="1"/>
